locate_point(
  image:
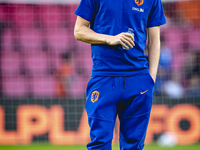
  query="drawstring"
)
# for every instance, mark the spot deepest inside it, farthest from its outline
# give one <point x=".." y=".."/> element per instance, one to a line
<point x="124" y="82"/>
<point x="113" y="83"/>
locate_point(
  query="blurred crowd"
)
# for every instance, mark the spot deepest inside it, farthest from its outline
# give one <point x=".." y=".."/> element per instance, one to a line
<point x="40" y="57"/>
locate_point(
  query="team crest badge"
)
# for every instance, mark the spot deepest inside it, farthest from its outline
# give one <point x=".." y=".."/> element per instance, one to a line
<point x="139" y="2"/>
<point x="95" y="96"/>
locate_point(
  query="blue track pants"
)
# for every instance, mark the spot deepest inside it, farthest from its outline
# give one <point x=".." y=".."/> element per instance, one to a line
<point x="128" y="97"/>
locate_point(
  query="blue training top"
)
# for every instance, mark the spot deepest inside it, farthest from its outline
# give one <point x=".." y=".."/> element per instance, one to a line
<point x="112" y="17"/>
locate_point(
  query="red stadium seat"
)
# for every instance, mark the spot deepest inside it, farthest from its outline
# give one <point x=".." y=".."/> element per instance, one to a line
<point x="51" y="16"/>
<point x="24" y="16"/>
<point x="3" y="14"/>
<point x="69" y="13"/>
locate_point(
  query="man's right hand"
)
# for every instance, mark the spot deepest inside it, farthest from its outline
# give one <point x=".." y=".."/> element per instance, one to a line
<point x="124" y="39"/>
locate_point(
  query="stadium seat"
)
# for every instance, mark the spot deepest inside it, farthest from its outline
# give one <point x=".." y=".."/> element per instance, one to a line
<point x="24" y="16"/>
<point x="173" y="38"/>
<point x="3" y="15"/>
<point x="7" y="39"/>
<point x="180" y="58"/>
<point x="55" y="60"/>
<point x="36" y="64"/>
<point x="44" y="87"/>
<point x="14" y="87"/>
<point x="51" y="16"/>
<point x="69" y="13"/>
<point x="59" y="40"/>
<point x="10" y="64"/>
<point x="77" y="88"/>
<point x="84" y="56"/>
<point x="194" y="36"/>
<point x="30" y="40"/>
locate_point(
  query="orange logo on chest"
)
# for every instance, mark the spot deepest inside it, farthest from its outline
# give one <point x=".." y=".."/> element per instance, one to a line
<point x="95" y="96"/>
<point x="139" y="2"/>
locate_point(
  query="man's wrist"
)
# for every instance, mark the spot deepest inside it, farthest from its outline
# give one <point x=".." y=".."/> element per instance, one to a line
<point x="106" y="39"/>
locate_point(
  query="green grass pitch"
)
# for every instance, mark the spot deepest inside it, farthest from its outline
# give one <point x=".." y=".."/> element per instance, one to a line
<point x="80" y="147"/>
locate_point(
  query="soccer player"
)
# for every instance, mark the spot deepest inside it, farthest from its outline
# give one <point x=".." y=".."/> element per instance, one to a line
<point x="123" y="75"/>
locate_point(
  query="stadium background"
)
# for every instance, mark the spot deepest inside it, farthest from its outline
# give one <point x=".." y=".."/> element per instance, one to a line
<point x="44" y="72"/>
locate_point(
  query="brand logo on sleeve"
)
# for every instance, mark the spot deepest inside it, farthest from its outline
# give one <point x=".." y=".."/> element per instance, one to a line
<point x="139" y="2"/>
<point x="95" y="96"/>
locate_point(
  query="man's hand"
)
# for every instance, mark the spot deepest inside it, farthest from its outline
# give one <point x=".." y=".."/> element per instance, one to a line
<point x="153" y="76"/>
<point x="124" y="39"/>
